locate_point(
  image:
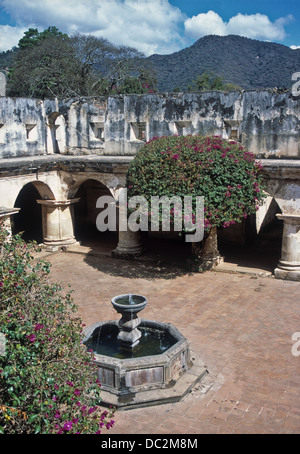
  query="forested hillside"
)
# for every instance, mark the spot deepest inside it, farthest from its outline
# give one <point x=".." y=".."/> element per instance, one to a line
<point x="241" y="61"/>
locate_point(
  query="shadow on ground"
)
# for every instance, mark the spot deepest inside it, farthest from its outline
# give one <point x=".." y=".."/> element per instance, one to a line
<point x="139" y="268"/>
<point x="168" y="259"/>
<point x="254" y="256"/>
<point x="160" y="259"/>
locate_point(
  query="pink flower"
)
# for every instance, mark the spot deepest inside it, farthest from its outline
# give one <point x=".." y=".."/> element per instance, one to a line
<point x="31" y="337"/>
<point x="38" y="326"/>
<point x="67" y="426"/>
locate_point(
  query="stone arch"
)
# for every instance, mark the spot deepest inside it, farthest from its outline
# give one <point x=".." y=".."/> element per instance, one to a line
<point x="88" y="191"/>
<point x="256" y="241"/>
<point x="56" y="139"/>
<point x="29" y="219"/>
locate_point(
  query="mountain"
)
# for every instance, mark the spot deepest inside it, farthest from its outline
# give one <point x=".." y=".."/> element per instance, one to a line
<point x="6" y="58"/>
<point x="245" y="62"/>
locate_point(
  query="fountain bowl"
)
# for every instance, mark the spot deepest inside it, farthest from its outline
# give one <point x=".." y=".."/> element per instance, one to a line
<point x="129" y="303"/>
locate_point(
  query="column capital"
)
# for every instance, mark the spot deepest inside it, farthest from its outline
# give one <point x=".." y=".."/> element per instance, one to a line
<point x="5" y="218"/>
<point x="289" y="218"/>
<point x="57" y="203"/>
<point x="7" y="212"/>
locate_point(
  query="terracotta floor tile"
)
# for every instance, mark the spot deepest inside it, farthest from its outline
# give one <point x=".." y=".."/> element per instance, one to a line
<point x="240" y="325"/>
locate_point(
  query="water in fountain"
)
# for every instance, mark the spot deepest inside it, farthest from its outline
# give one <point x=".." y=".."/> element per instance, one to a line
<point x="131" y="337"/>
<point x="153" y="341"/>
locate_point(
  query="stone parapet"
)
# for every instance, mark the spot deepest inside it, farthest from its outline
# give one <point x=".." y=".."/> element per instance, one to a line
<point x="265" y="122"/>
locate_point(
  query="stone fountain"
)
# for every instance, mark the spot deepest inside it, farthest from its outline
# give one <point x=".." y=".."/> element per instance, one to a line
<point x="141" y="362"/>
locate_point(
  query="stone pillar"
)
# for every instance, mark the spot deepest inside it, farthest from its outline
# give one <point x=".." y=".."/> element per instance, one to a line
<point x="289" y="264"/>
<point x="129" y="242"/>
<point x="58" y="223"/>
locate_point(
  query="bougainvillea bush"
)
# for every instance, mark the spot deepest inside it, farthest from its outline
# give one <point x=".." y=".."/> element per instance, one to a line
<point x="222" y="171"/>
<point x="48" y="380"/>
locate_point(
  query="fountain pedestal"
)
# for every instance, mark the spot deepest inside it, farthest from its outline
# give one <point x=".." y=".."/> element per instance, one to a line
<point x="129" y="335"/>
<point x="128" y="306"/>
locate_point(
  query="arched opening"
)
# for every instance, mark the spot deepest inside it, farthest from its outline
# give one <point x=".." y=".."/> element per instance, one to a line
<point x="56" y="142"/>
<point x="29" y="218"/>
<point x="85" y="215"/>
<point x="256" y="242"/>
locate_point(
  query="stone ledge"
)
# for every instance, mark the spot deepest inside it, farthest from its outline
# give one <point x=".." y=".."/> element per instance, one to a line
<point x="32" y="164"/>
<point x="281" y="168"/>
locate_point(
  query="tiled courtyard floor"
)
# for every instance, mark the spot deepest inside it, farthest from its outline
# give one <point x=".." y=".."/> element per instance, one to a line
<point x="240" y="325"/>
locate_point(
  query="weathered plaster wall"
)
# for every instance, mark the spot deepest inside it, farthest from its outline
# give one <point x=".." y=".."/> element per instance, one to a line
<point x="40" y="141"/>
<point x="2" y="83"/>
<point x="267" y="123"/>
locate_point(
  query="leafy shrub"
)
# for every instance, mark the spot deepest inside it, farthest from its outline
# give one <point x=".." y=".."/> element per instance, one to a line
<point x="47" y="377"/>
<point x="222" y="171"/>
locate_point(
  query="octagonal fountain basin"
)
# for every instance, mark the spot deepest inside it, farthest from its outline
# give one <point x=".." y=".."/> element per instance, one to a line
<point x="158" y="369"/>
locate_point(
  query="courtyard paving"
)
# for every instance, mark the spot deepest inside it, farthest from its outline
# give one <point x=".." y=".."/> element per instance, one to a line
<point x="239" y="324"/>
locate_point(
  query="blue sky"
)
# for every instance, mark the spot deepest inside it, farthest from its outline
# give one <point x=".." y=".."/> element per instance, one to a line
<point x="154" y="26"/>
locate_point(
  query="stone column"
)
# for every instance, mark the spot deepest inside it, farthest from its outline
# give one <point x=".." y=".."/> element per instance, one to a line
<point x="58" y="223"/>
<point x="129" y="242"/>
<point x="289" y="264"/>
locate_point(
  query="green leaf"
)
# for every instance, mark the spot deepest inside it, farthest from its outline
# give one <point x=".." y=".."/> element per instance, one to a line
<point x="32" y="418"/>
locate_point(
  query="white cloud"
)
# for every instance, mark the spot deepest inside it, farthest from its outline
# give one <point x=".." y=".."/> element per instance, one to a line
<point x="256" y="26"/>
<point x="10" y="36"/>
<point x="295" y="47"/>
<point x="151" y="26"/>
<point x="205" y="24"/>
<point x="148" y="25"/>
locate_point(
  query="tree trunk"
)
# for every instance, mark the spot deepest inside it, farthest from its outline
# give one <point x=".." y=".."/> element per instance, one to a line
<point x="206" y="252"/>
